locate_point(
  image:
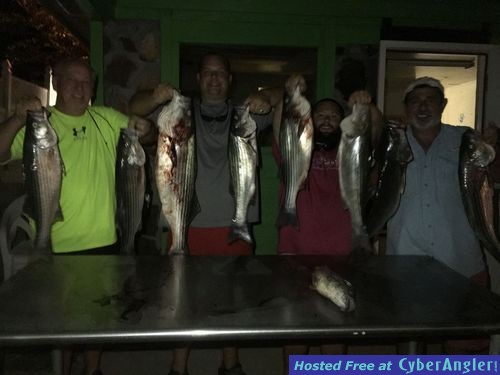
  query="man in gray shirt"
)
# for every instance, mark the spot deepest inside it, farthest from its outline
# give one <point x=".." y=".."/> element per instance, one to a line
<point x="209" y="231"/>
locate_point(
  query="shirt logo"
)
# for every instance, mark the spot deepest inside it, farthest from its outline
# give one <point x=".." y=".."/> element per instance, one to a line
<point x="79" y="134"/>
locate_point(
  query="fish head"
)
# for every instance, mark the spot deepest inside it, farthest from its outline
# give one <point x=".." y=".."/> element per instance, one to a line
<point x="243" y="125"/>
<point x="174" y="119"/>
<point x="361" y="113"/>
<point x="399" y="144"/>
<point x="357" y="123"/>
<point x="42" y="132"/>
<point x="481" y="153"/>
<point x="132" y="150"/>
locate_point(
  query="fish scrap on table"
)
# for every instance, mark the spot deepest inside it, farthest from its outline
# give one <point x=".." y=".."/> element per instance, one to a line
<point x="334" y="287"/>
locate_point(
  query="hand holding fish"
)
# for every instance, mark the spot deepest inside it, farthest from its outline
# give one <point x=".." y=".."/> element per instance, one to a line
<point x="258" y="103"/>
<point x="163" y="93"/>
<point x="140" y="125"/>
<point x="376" y="118"/>
<point x="295" y="80"/>
<point x="24" y="104"/>
<point x="359" y="97"/>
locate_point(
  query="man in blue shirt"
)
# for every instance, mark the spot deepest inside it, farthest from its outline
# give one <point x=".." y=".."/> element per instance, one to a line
<point x="431" y="218"/>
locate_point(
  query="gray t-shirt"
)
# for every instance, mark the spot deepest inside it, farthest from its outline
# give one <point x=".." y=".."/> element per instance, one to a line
<point x="431" y="218"/>
<point x="212" y="124"/>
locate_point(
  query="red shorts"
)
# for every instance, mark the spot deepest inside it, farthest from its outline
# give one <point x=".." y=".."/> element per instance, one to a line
<point x="213" y="241"/>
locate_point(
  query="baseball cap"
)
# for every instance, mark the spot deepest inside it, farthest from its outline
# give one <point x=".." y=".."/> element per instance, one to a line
<point x="423" y="81"/>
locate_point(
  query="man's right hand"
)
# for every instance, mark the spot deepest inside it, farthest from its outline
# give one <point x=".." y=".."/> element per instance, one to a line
<point x="25" y="104"/>
<point x="295" y="80"/>
<point x="162" y="93"/>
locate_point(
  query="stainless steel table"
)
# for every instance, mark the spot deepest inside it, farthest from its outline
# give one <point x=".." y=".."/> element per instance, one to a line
<point x="110" y="299"/>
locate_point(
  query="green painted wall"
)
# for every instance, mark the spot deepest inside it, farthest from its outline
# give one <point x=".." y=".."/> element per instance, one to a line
<point x="321" y="24"/>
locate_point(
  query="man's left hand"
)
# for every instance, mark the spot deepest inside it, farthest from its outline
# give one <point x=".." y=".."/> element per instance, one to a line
<point x="142" y="126"/>
<point x="258" y="104"/>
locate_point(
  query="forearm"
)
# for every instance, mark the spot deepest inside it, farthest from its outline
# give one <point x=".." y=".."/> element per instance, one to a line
<point x="142" y="103"/>
<point x="8" y="131"/>
<point x="273" y="95"/>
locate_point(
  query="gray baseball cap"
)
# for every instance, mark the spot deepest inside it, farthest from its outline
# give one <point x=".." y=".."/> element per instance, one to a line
<point x="423" y="81"/>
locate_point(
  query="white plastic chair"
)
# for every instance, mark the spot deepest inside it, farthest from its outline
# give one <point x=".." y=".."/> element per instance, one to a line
<point x="16" y="238"/>
<point x="16" y="246"/>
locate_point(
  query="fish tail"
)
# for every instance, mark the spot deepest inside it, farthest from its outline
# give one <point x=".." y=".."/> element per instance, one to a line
<point x="127" y="247"/>
<point x="240" y="232"/>
<point x="177" y="251"/>
<point x="42" y="244"/>
<point x="287" y="218"/>
<point x="59" y="216"/>
<point x="361" y="247"/>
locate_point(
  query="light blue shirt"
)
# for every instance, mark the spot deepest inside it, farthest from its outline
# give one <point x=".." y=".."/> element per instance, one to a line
<point x="431" y="218"/>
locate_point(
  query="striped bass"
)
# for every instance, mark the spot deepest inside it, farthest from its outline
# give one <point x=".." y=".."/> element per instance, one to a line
<point x="477" y="189"/>
<point x="354" y="165"/>
<point x="394" y="154"/>
<point x="130" y="187"/>
<point x="176" y="169"/>
<point x="43" y="168"/>
<point x="243" y="158"/>
<point x="296" y="145"/>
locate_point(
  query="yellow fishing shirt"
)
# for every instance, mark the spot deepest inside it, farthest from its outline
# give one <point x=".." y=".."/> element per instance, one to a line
<point x="87" y="145"/>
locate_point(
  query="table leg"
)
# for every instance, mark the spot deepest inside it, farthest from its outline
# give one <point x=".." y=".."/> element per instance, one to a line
<point x="495" y="344"/>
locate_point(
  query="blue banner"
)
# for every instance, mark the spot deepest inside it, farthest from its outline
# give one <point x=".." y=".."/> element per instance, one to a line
<point x="393" y="364"/>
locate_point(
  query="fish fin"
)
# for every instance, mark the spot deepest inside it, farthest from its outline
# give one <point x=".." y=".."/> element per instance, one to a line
<point x="287" y="218"/>
<point x="178" y="251"/>
<point x="28" y="206"/>
<point x="300" y="128"/>
<point x="59" y="216"/>
<point x="63" y="168"/>
<point x="361" y="248"/>
<point x="43" y="245"/>
<point x="231" y="187"/>
<point x="240" y="232"/>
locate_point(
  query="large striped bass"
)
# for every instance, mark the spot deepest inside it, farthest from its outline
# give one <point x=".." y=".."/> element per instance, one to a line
<point x="176" y="169"/>
<point x="296" y="145"/>
<point x="394" y="154"/>
<point x="477" y="189"/>
<point x="43" y="170"/>
<point x="354" y="166"/>
<point x="243" y="157"/>
<point x="130" y="188"/>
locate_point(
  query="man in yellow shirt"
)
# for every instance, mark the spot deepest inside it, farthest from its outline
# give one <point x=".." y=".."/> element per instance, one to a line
<point x="87" y="139"/>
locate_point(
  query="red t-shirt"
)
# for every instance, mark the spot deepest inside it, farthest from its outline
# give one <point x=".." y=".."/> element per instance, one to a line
<point x="324" y="223"/>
